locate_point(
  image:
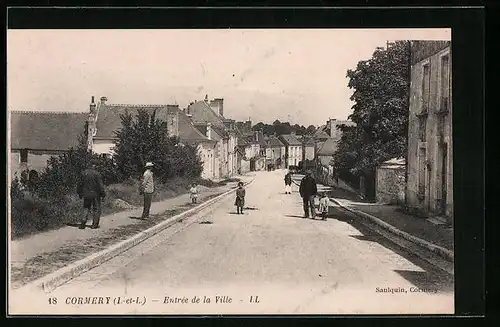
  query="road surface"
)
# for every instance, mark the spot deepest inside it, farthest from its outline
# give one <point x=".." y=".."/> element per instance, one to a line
<point x="268" y="261"/>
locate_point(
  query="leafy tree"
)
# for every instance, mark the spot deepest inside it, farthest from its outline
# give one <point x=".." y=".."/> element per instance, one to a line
<point x="145" y="139"/>
<point x="380" y="111"/>
<point x="310" y="129"/>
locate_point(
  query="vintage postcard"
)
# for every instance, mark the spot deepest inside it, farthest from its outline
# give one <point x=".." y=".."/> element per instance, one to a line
<point x="230" y="171"/>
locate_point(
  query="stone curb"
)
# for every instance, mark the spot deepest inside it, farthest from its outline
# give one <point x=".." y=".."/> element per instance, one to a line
<point x="444" y="253"/>
<point x="59" y="277"/>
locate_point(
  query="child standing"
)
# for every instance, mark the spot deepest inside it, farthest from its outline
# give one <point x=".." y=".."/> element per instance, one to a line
<point x="240" y="198"/>
<point x="323" y="206"/>
<point x="193" y="191"/>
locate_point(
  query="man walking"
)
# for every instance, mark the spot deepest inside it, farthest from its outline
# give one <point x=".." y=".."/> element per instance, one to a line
<point x="288" y="183"/>
<point x="91" y="189"/>
<point x="308" y="190"/>
<point x="147" y="189"/>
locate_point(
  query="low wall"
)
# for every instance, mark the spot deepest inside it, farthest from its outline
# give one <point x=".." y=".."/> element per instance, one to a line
<point x="390" y="187"/>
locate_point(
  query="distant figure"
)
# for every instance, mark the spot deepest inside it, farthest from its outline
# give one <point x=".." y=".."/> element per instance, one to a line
<point x="240" y="198"/>
<point x="308" y="191"/>
<point x="147" y="188"/>
<point x="288" y="183"/>
<point x="323" y="205"/>
<point x="91" y="189"/>
<point x="194" y="193"/>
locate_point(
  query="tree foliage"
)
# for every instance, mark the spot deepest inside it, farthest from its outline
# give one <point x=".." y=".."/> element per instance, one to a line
<point x="380" y="111"/>
<point x="280" y="128"/>
<point x="145" y="139"/>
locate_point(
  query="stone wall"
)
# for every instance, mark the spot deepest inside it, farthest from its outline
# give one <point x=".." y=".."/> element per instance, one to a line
<point x="430" y="146"/>
<point x="390" y="187"/>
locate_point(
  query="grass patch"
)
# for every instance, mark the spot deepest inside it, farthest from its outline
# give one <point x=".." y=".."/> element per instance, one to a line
<point x="32" y="214"/>
<point x="46" y="263"/>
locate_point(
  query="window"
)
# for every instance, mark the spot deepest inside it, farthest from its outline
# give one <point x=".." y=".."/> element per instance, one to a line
<point x="445" y="83"/>
<point x="421" y="173"/>
<point x="425" y="87"/>
<point x="422" y="126"/>
<point x="24" y="156"/>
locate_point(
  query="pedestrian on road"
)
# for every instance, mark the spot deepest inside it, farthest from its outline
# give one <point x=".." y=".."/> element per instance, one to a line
<point x="308" y="191"/>
<point x="194" y="193"/>
<point x="288" y="183"/>
<point x="323" y="205"/>
<point x="147" y="188"/>
<point x="91" y="189"/>
<point x="240" y="198"/>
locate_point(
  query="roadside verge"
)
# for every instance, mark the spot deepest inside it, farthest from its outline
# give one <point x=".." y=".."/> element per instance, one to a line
<point x="55" y="279"/>
<point x="436" y="249"/>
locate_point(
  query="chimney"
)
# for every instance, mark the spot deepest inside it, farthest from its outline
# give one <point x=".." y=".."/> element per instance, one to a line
<point x="172" y="120"/>
<point x="91" y="125"/>
<point x="93" y="107"/>
<point x="217" y="105"/>
<point x="333" y="127"/>
<point x="209" y="131"/>
<point x="206" y="98"/>
<point x="103" y="100"/>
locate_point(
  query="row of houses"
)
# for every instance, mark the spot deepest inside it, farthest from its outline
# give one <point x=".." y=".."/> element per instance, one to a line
<point x="225" y="147"/>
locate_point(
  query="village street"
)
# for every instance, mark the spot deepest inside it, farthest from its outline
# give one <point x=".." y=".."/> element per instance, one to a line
<point x="293" y="265"/>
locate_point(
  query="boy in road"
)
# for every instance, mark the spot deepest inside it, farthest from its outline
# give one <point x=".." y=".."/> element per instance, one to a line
<point x="240" y="198"/>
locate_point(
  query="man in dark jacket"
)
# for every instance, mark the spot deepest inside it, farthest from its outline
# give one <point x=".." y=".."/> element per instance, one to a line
<point x="288" y="183"/>
<point x="308" y="190"/>
<point x="91" y="189"/>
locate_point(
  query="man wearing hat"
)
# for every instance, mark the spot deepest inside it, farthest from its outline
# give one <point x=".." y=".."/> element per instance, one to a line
<point x="91" y="189"/>
<point x="308" y="191"/>
<point x="147" y="188"/>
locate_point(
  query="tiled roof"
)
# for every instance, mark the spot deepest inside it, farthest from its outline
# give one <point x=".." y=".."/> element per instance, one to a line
<point x="274" y="142"/>
<point x="329" y="147"/>
<point x="202" y="113"/>
<point x="188" y="132"/>
<point x="289" y="139"/>
<point x="109" y="116"/>
<point x="109" y="120"/>
<point x="46" y="130"/>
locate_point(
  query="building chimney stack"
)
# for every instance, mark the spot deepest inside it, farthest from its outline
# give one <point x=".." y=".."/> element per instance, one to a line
<point x="103" y="100"/>
<point x="93" y="110"/>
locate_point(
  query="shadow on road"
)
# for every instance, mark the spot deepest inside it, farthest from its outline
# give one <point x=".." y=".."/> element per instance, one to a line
<point x="77" y="225"/>
<point x="431" y="277"/>
<point x="427" y="281"/>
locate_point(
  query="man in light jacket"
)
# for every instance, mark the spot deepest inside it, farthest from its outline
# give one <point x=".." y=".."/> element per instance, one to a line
<point x="147" y="189"/>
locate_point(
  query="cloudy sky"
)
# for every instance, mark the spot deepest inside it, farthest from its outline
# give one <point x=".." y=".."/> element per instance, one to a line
<point x="290" y="75"/>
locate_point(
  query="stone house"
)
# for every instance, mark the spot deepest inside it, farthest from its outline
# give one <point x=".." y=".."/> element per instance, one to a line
<point x="275" y="152"/>
<point x="105" y="119"/>
<point x="35" y="136"/>
<point x="429" y="185"/>
<point x="208" y="116"/>
<point x="390" y="181"/>
<point x="293" y="149"/>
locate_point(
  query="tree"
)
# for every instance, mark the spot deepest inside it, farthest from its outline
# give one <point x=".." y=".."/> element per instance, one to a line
<point x="145" y="139"/>
<point x="380" y="111"/>
<point x="310" y="129"/>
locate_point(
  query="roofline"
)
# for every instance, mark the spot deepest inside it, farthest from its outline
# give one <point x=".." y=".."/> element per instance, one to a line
<point x="48" y="112"/>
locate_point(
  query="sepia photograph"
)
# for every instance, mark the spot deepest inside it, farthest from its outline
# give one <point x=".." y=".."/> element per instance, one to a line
<point x="230" y="171"/>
